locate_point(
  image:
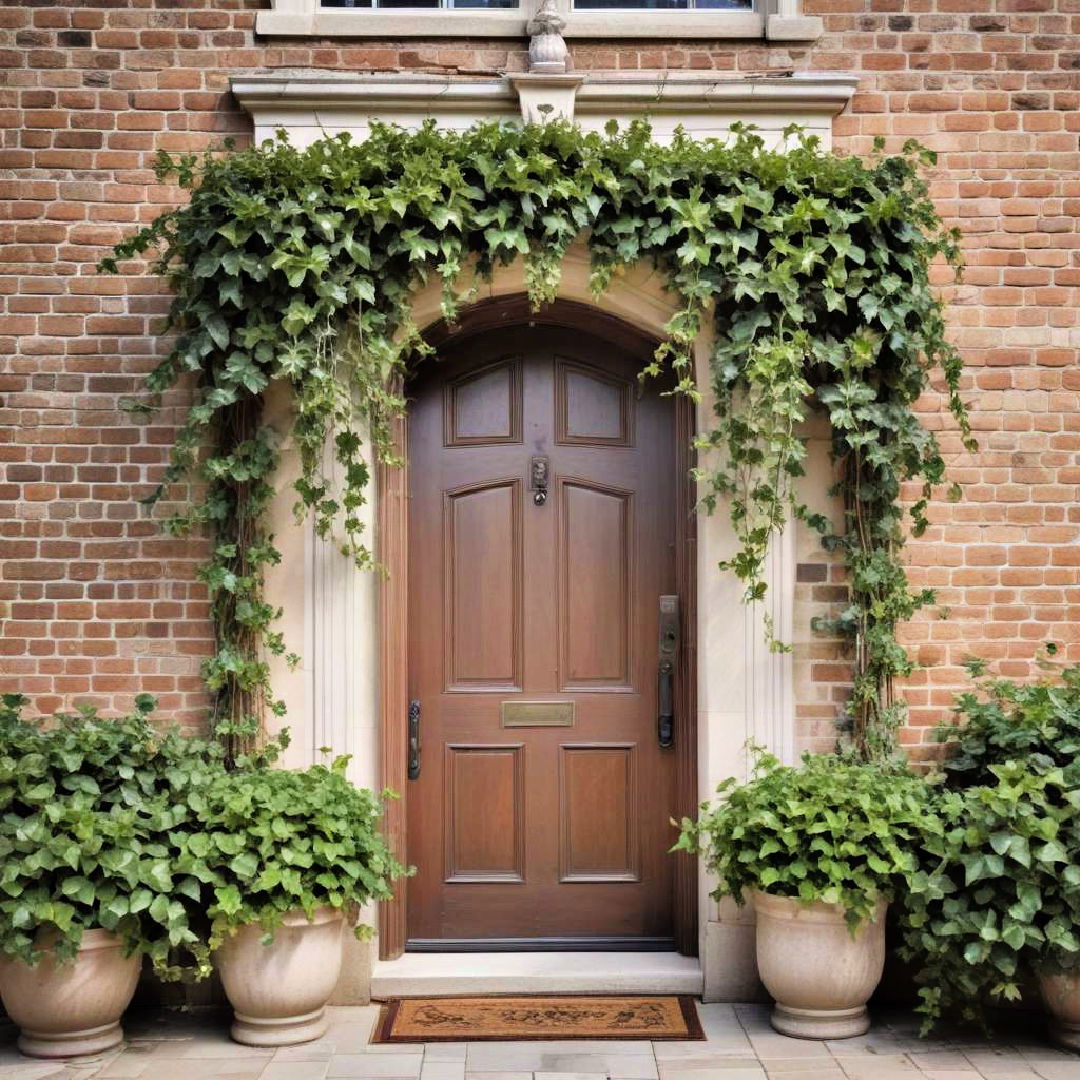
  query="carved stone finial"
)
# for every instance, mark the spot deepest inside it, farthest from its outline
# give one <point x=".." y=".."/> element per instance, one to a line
<point x="547" y="50"/>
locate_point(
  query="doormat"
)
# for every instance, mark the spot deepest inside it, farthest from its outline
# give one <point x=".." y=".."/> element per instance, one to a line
<point x="498" y="1019"/>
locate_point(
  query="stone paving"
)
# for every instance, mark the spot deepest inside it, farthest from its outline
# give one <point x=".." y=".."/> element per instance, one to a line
<point x="740" y="1046"/>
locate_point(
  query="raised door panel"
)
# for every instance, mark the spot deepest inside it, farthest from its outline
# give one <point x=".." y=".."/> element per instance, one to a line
<point x="595" y="566"/>
<point x="483" y="598"/>
<point x="592" y="408"/>
<point x="599" y="818"/>
<point x="484" y="813"/>
<point x="484" y="406"/>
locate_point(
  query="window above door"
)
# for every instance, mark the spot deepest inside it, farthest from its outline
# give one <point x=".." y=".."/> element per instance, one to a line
<point x="776" y="20"/>
<point x="514" y="5"/>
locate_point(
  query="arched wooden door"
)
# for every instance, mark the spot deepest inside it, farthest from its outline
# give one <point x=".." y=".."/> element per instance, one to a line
<point x="542" y="530"/>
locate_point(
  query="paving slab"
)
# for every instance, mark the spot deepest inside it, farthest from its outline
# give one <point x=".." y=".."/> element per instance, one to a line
<point x="204" y="1068"/>
<point x="737" y="1046"/>
<point x="740" y="1045"/>
<point x="569" y="1076"/>
<point x="445" y="1051"/>
<point x="442" y="1070"/>
<point x="1058" y="1070"/>
<point x="318" y="1050"/>
<point x="731" y="1072"/>
<point x="34" y="1070"/>
<point x="377" y="1066"/>
<point x="814" y="1071"/>
<point x="498" y="1076"/>
<point x="295" y="1070"/>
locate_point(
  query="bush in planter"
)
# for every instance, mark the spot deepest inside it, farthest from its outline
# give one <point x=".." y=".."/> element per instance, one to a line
<point x="832" y="831"/>
<point x="290" y="856"/>
<point x="90" y="812"/>
<point x="277" y="840"/>
<point x="818" y="846"/>
<point x="998" y="891"/>
<point x="90" y="815"/>
<point x="998" y="897"/>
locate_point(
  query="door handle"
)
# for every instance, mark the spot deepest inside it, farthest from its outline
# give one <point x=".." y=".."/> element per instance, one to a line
<point x="414" y="740"/>
<point x="539" y="469"/>
<point x="668" y="650"/>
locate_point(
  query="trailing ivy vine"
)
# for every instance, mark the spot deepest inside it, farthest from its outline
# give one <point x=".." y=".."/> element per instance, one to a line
<point x="297" y="266"/>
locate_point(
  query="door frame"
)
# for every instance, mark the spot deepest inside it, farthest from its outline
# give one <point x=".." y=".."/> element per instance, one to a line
<point x="392" y="550"/>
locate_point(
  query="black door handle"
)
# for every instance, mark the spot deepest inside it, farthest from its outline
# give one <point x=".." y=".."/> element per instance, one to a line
<point x="668" y="648"/>
<point x="414" y="740"/>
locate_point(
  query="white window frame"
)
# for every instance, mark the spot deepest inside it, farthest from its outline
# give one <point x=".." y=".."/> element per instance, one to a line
<point x="773" y="20"/>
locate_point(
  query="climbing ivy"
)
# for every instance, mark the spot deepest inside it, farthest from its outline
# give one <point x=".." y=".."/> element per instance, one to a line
<point x="298" y="266"/>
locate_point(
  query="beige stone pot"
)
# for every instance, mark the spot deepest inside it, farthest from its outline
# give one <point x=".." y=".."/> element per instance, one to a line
<point x="279" y="991"/>
<point x="818" y="973"/>
<point x="74" y="1008"/>
<point x="1062" y="996"/>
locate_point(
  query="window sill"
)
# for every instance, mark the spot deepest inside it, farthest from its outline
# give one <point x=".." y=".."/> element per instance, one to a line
<point x="683" y="25"/>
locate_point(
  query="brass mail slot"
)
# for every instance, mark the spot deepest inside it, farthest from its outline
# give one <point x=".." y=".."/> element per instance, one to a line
<point x="537" y="713"/>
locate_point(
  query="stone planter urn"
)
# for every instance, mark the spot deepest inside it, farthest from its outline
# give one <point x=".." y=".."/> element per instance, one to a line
<point x="819" y="974"/>
<point x="1062" y="996"/>
<point x="74" y="1008"/>
<point x="279" y="991"/>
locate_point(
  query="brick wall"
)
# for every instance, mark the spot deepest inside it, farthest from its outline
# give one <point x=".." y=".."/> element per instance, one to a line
<point x="97" y="605"/>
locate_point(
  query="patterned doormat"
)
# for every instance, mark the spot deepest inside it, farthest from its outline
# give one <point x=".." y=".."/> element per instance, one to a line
<point x="499" y="1019"/>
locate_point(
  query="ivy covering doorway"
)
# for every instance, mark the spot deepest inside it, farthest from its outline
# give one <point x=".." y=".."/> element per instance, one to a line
<point x="297" y="267"/>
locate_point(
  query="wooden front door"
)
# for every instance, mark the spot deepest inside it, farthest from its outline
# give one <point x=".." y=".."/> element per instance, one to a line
<point x="541" y="537"/>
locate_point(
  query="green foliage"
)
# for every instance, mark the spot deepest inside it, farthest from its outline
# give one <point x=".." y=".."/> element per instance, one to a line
<point x="998" y="891"/>
<point x="92" y="812"/>
<point x="298" y="266"/>
<point x="1037" y="723"/>
<point x="273" y="841"/>
<point x="113" y="824"/>
<point x="832" y="831"/>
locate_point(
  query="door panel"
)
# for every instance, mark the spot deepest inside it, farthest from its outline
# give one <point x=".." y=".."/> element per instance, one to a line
<point x="484" y="406"/>
<point x="485" y="817"/>
<point x="599" y="814"/>
<point x="595" y="559"/>
<point x="482" y="585"/>
<point x="542" y="810"/>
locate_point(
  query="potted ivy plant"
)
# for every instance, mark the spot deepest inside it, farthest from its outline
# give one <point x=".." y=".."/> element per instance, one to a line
<point x="998" y="896"/>
<point x="293" y="855"/>
<point x="820" y="851"/>
<point x="88" y="882"/>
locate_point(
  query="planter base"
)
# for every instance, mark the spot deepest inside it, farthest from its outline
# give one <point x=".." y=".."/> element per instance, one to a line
<point x="1067" y="1035"/>
<point x="820" y="1023"/>
<point x="279" y="1030"/>
<point x="96" y="1040"/>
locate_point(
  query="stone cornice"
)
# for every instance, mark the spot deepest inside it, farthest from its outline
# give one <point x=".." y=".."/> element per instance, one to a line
<point x="311" y="99"/>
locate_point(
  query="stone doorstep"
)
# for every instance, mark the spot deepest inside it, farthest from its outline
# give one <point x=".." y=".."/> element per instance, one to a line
<point x="423" y="974"/>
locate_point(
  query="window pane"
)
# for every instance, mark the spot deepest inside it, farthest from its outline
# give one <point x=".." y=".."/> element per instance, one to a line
<point x="663" y="5"/>
<point x="426" y="5"/>
<point x="631" y="5"/>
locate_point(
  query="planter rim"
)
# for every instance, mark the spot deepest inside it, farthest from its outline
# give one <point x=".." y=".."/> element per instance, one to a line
<point x="326" y="913"/>
<point x="297" y="916"/>
<point x="815" y="911"/>
<point x="94" y="938"/>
